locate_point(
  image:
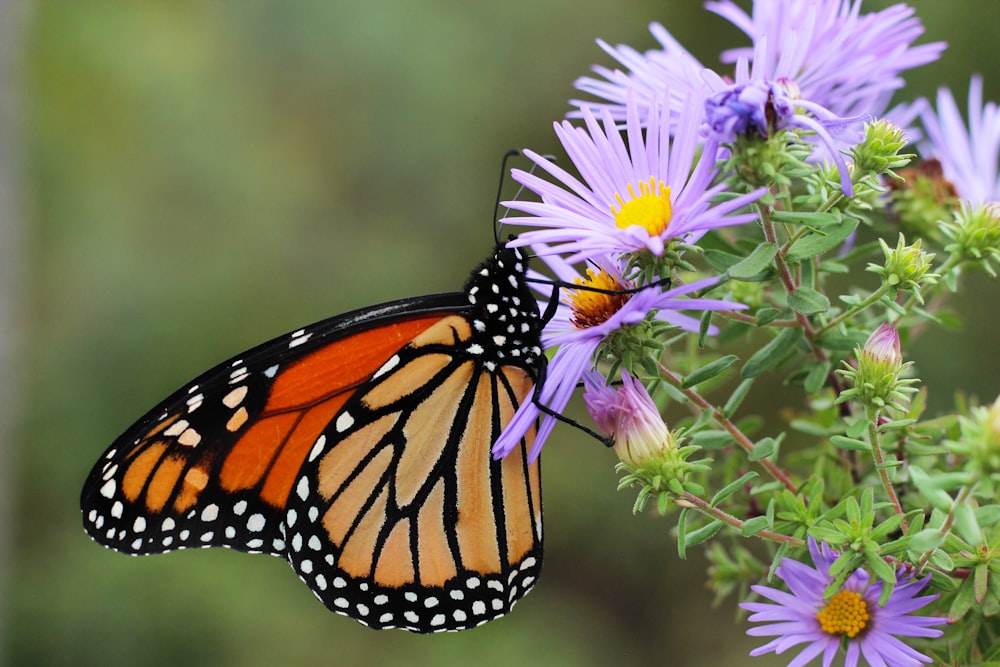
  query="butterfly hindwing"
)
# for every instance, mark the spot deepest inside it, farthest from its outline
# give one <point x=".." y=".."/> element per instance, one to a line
<point x="402" y="518"/>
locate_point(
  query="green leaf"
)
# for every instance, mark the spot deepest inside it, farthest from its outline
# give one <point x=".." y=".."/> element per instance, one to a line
<point x="767" y="315"/>
<point x="817" y="377"/>
<point x="926" y="540"/>
<point x="763" y="449"/>
<point x="772" y="353"/>
<point x="840" y="342"/>
<point x="709" y="371"/>
<point x="754" y="526"/>
<point x="818" y="242"/>
<point x="807" y="218"/>
<point x="851" y="444"/>
<point x="732" y="487"/>
<point x="808" y="301"/>
<point x="966" y="525"/>
<point x="736" y="398"/>
<point x="704" y="533"/>
<point x="963" y="601"/>
<point x="857" y="429"/>
<point x="711" y="439"/>
<point x="980" y="581"/>
<point x="720" y="261"/>
<point x="755" y="263"/>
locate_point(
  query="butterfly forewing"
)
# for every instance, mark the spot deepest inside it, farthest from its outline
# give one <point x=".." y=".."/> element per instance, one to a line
<point x="214" y="463"/>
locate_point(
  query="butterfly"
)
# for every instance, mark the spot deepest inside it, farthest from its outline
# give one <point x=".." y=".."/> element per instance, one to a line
<point x="358" y="448"/>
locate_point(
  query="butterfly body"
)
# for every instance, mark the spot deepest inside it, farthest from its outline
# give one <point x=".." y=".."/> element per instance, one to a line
<point x="359" y="449"/>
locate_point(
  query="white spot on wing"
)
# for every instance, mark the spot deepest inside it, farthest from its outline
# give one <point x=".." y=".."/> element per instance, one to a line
<point x="317" y="448"/>
<point x="299" y="337"/>
<point x="387" y="366"/>
<point x="344" y="422"/>
<point x="176" y="428"/>
<point x="256" y="522"/>
<point x="235" y="397"/>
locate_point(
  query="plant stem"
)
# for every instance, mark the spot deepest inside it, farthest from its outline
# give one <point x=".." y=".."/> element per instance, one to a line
<point x="872" y="298"/>
<point x="873" y="439"/>
<point x="741" y="439"/>
<point x="703" y="506"/>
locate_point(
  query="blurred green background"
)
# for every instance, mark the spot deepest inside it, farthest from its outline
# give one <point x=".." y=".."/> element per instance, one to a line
<point x="194" y="178"/>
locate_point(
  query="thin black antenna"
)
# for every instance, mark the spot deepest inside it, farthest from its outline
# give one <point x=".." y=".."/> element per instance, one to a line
<point x="503" y="175"/>
<point x="503" y="178"/>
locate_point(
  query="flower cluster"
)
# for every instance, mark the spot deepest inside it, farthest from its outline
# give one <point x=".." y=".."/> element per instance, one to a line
<point x="702" y="238"/>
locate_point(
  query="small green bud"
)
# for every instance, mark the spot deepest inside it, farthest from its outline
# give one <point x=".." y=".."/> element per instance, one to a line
<point x="978" y="444"/>
<point x="974" y="234"/>
<point x="905" y="267"/>
<point x="876" y="381"/>
<point x="878" y="152"/>
<point x="771" y="161"/>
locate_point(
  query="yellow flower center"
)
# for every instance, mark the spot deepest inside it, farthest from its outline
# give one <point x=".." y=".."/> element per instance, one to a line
<point x="650" y="209"/>
<point x="591" y="308"/>
<point x="845" y="614"/>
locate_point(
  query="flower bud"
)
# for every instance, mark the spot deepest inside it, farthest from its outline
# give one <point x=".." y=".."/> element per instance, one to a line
<point x="629" y="417"/>
<point x="878" y="152"/>
<point x="974" y="234"/>
<point x="882" y="348"/>
<point x="906" y="267"/>
<point x="978" y="446"/>
<point x="876" y="380"/>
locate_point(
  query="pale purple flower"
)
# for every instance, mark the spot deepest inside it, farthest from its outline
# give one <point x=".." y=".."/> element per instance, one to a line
<point x="755" y="103"/>
<point x="670" y="68"/>
<point x="798" y="616"/>
<point x="968" y="154"/>
<point x="848" y="62"/>
<point x="584" y="320"/>
<point x="636" y="194"/>
<point x="627" y="415"/>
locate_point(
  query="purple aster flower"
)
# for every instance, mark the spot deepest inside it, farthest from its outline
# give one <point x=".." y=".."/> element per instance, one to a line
<point x="583" y="320"/>
<point x="636" y="194"/>
<point x="743" y="101"/>
<point x="670" y="68"/>
<point x="851" y="617"/>
<point x="629" y="417"/>
<point x="848" y="62"/>
<point x="968" y="154"/>
<point x="761" y="105"/>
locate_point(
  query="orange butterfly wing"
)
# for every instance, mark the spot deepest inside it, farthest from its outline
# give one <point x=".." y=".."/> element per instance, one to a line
<point x="359" y="449"/>
<point x="214" y="463"/>
<point x="405" y="520"/>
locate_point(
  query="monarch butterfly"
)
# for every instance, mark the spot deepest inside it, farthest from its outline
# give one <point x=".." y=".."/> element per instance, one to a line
<point x="358" y="449"/>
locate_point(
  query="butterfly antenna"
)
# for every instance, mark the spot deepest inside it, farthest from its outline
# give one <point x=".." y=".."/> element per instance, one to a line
<point x="503" y="179"/>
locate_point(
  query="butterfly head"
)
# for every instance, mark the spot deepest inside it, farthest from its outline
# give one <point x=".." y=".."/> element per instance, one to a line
<point x="505" y="318"/>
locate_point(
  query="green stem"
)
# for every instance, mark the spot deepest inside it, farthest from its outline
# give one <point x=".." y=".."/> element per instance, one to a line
<point x="949" y="521"/>
<point x="883" y="472"/>
<point x="722" y="420"/>
<point x="700" y="504"/>
<point x="872" y="298"/>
